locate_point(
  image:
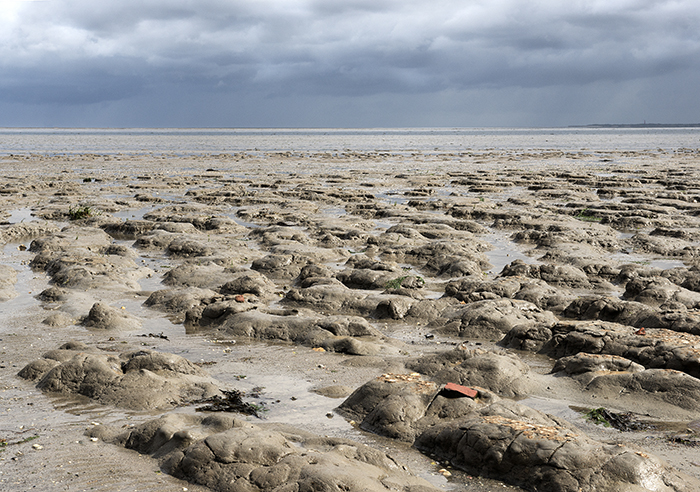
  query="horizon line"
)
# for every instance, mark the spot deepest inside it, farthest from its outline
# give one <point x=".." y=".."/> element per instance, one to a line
<point x="591" y="125"/>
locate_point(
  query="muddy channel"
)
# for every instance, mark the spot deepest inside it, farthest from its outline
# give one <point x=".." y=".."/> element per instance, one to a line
<point x="340" y="293"/>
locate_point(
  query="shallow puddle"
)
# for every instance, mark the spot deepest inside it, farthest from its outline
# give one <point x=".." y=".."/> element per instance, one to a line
<point x="555" y="407"/>
<point x="28" y="284"/>
<point x="20" y="215"/>
<point x="504" y="252"/>
<point x="666" y="264"/>
<point x="660" y="263"/>
<point x="133" y="214"/>
<point x="394" y="197"/>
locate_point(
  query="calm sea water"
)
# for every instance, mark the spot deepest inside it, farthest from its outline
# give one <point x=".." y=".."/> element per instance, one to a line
<point x="189" y="141"/>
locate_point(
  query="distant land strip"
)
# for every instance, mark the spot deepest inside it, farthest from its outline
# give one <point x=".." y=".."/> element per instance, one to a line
<point x="639" y="125"/>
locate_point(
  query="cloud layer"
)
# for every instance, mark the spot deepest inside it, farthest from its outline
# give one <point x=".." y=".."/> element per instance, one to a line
<point x="349" y="63"/>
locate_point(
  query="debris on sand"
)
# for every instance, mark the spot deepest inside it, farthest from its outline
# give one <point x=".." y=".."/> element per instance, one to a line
<point x="231" y="401"/>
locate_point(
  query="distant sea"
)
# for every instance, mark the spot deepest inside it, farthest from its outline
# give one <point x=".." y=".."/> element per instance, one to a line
<point x="197" y="141"/>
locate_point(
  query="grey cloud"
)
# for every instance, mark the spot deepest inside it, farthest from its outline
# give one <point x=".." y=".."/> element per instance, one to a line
<point x="76" y="83"/>
<point x="80" y="52"/>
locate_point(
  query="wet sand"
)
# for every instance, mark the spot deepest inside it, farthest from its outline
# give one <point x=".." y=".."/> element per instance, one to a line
<point x="573" y="209"/>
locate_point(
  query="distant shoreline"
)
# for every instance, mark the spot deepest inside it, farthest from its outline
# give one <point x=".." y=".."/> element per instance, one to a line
<point x="639" y="125"/>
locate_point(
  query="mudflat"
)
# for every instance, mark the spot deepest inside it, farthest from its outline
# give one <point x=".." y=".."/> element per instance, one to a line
<point x="521" y="320"/>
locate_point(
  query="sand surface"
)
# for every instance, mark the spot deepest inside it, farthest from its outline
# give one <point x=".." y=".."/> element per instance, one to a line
<point x="337" y="202"/>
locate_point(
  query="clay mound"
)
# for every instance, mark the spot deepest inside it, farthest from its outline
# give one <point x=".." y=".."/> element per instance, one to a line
<point x="536" y="291"/>
<point x="368" y="279"/>
<point x="527" y="448"/>
<point x="138" y="380"/>
<point x="671" y="315"/>
<point x="178" y="301"/>
<point x="551" y="234"/>
<point x="188" y="248"/>
<point x="347" y="334"/>
<point x="581" y="363"/>
<point x="84" y="258"/>
<point x="130" y="229"/>
<point x="202" y="217"/>
<point x="651" y="347"/>
<point x="280" y="266"/>
<point x="228" y="454"/>
<point x="525" y="337"/>
<point x="504" y="374"/>
<point x="559" y="275"/>
<point x="104" y="317"/>
<point x="660" y="292"/>
<point x="481" y="434"/>
<point x="71" y="238"/>
<point x="673" y="387"/>
<point x="491" y="319"/>
<point x="25" y="230"/>
<point x="391" y="405"/>
<point x="249" y="282"/>
<point x="443" y="258"/>
<point x="614" y="377"/>
<point x="207" y="276"/>
<point x="330" y="295"/>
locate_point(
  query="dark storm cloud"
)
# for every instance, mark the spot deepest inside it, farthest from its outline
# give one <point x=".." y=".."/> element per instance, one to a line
<point x="80" y="52"/>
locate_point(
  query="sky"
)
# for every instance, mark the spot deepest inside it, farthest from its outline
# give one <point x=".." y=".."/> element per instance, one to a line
<point x="348" y="63"/>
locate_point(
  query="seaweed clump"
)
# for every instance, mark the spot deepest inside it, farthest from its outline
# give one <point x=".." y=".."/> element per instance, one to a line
<point x="620" y="421"/>
<point x="231" y="401"/>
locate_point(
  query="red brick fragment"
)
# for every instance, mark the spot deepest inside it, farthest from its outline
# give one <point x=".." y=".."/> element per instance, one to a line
<point x="464" y="390"/>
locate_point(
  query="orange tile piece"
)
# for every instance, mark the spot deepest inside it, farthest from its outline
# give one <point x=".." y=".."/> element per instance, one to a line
<point x="466" y="391"/>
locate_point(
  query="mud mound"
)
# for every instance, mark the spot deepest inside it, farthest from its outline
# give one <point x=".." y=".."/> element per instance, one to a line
<point x="136" y="380"/>
<point x="227" y="454"/>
